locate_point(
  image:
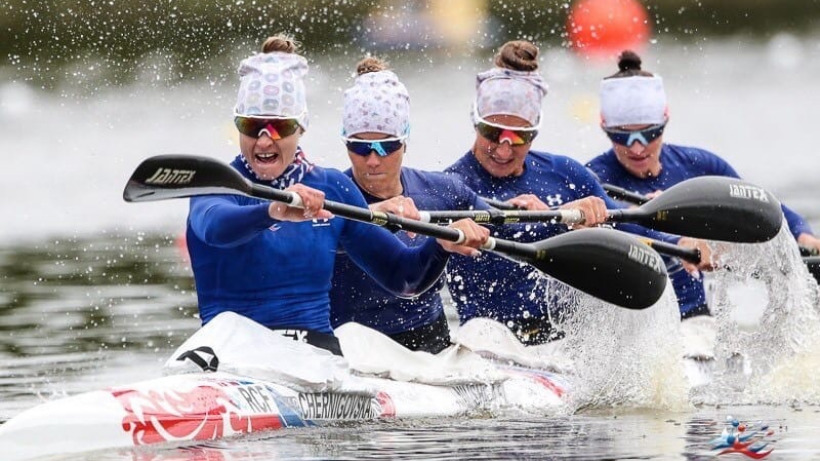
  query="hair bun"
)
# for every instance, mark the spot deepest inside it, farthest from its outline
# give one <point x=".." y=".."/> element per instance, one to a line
<point x="629" y="60"/>
<point x="280" y="42"/>
<point x="518" y="55"/>
<point x="370" y="64"/>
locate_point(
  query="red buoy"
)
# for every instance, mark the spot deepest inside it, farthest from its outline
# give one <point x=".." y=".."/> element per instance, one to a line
<point x="604" y="28"/>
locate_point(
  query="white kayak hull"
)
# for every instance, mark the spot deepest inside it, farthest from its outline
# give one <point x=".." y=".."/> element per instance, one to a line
<point x="210" y="406"/>
<point x="268" y="383"/>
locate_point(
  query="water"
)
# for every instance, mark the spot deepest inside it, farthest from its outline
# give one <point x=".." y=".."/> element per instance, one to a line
<point x="96" y="292"/>
<point x="584" y="437"/>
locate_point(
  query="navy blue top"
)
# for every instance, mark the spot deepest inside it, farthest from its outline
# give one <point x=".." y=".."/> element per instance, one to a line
<point x="678" y="164"/>
<point x="279" y="273"/>
<point x="355" y="297"/>
<point x="495" y="287"/>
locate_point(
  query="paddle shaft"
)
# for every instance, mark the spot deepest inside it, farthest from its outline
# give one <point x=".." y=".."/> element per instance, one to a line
<point x="510" y="214"/>
<point x="382" y="219"/>
<point x="806" y="251"/>
<point x="571" y="216"/>
<point x="619" y="193"/>
<point x="501" y="205"/>
<point x="691" y="255"/>
<point x="634" y="215"/>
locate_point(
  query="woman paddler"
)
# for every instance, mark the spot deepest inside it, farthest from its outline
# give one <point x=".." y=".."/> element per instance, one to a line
<point x="273" y="263"/>
<point x="634" y="114"/>
<point x="507" y="116"/>
<point x="376" y="126"/>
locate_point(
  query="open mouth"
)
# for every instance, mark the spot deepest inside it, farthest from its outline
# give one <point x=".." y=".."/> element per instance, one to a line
<point x="269" y="157"/>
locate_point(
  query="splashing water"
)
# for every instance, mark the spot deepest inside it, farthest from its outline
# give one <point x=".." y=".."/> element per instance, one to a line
<point x="769" y="360"/>
<point x="622" y="357"/>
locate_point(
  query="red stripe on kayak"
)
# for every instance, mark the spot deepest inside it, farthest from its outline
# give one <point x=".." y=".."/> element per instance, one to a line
<point x="549" y="384"/>
<point x="169" y="416"/>
<point x="388" y="408"/>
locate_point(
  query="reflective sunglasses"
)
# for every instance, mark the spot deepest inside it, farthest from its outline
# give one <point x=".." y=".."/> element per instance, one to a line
<point x="496" y="133"/>
<point x="275" y="127"/>
<point x="499" y="134"/>
<point x="382" y="147"/>
<point x="644" y="136"/>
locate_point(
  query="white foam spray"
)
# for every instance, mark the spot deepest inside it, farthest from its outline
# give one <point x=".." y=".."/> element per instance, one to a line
<point x="766" y="343"/>
<point x="622" y="357"/>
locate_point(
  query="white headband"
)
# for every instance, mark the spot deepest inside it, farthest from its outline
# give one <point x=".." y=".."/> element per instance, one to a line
<point x="633" y="101"/>
<point x="502" y="91"/>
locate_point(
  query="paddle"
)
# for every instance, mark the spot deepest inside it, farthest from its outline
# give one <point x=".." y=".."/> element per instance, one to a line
<point x="619" y="193"/>
<point x="603" y="263"/>
<point x="707" y="207"/>
<point x="501" y="205"/>
<point x="514" y="215"/>
<point x="806" y="251"/>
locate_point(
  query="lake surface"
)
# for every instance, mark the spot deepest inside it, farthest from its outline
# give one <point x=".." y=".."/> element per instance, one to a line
<point x="96" y="292"/>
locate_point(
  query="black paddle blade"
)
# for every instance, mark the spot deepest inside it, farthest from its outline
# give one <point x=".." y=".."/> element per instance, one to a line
<point x="716" y="208"/>
<point x="606" y="264"/>
<point x="176" y="176"/>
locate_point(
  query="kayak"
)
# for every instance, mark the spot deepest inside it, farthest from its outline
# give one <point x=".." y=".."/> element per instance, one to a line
<point x="210" y="406"/>
<point x="235" y="377"/>
<point x="245" y="397"/>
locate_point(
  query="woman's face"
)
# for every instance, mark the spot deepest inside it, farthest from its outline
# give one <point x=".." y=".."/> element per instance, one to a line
<point x="640" y="160"/>
<point x="379" y="175"/>
<point x="266" y="157"/>
<point x="502" y="159"/>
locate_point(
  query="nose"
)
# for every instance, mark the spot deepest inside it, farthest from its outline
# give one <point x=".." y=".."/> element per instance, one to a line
<point x="264" y="141"/>
<point x="504" y="150"/>
<point x="373" y="160"/>
<point x="637" y="148"/>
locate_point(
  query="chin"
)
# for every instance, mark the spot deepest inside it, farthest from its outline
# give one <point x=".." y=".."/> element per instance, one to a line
<point x="504" y="171"/>
<point x="268" y="174"/>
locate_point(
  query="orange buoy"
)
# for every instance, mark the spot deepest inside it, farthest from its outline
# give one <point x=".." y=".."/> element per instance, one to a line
<point x="604" y="28"/>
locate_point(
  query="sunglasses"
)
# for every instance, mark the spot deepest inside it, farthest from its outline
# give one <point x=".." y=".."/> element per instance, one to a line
<point x="499" y="133"/>
<point x="275" y="127"/>
<point x="644" y="136"/>
<point x="382" y="147"/>
<point x="516" y="136"/>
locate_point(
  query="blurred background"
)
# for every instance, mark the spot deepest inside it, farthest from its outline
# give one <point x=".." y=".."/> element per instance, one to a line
<point x="89" y="88"/>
